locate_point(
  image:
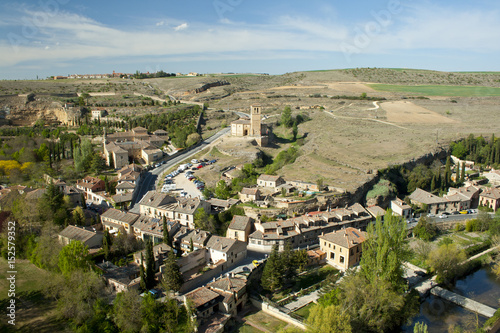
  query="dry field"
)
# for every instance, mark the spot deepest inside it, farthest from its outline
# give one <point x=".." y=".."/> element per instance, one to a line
<point x="408" y="112"/>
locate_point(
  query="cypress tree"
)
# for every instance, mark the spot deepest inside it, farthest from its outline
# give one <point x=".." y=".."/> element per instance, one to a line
<point x="447" y="174"/>
<point x="166" y="235"/>
<point x="271" y="275"/>
<point x="462" y="177"/>
<point x="150" y="265"/>
<point x="433" y="183"/>
<point x="191" y="245"/>
<point x="172" y="277"/>
<point x="142" y="275"/>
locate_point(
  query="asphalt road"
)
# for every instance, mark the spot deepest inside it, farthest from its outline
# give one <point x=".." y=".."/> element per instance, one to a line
<point x="149" y="179"/>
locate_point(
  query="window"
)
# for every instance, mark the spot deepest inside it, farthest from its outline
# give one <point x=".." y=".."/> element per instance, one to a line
<point x="341" y="259"/>
<point x="332" y="255"/>
<point x="329" y="245"/>
<point x="351" y="252"/>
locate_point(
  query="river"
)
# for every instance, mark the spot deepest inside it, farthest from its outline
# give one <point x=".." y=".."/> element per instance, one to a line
<point x="439" y="315"/>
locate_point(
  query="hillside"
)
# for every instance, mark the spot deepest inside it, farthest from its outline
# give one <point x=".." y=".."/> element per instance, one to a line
<point x="360" y="119"/>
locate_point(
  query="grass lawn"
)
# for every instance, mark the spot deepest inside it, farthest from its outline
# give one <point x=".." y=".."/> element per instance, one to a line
<point x="439" y="90"/>
<point x="306" y="280"/>
<point x="34" y="312"/>
<point x="265" y="321"/>
<point x="304" y="311"/>
<point x="245" y="328"/>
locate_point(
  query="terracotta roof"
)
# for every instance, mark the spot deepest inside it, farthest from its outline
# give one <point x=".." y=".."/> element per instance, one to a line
<point x="241" y="121"/>
<point x="77" y="233"/>
<point x="201" y="296"/>
<point x="222" y="203"/>
<point x="125" y="185"/>
<point x="223" y="244"/>
<point x="188" y="205"/>
<point x="36" y="194"/>
<point x="250" y="191"/>
<point x="268" y="178"/>
<point x="401" y="204"/>
<point x="492" y="193"/>
<point x="118" y="215"/>
<point x="427" y="198"/>
<point x="376" y="211"/>
<point x="155" y="199"/>
<point x="240" y="222"/>
<point x="119" y="198"/>
<point x="228" y="284"/>
<point x="346" y="238"/>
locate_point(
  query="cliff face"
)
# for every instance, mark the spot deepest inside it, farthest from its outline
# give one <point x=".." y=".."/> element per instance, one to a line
<point x="20" y="111"/>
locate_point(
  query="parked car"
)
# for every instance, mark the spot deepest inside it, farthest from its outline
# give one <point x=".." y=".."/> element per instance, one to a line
<point x="443" y="216"/>
<point x="431" y="215"/>
<point x="194" y="161"/>
<point x="199" y="166"/>
<point x="464" y="212"/>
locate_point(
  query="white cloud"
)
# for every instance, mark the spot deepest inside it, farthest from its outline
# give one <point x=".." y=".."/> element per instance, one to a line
<point x="181" y="27"/>
<point x="79" y="37"/>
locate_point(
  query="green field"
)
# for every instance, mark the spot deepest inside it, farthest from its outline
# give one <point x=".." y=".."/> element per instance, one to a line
<point x="439" y="90"/>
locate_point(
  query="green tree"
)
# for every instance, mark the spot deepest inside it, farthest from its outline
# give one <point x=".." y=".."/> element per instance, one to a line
<point x="222" y="190"/>
<point x="446" y="262"/>
<point x="295" y="131"/>
<point x="77" y="294"/>
<point x="425" y="230"/>
<point x="384" y="251"/>
<point x="106" y="244"/>
<point x="420" y="327"/>
<point x="142" y="275"/>
<point x="373" y="305"/>
<point x="127" y="311"/>
<point x="329" y="319"/>
<point x="78" y="216"/>
<point x="172" y="277"/>
<point x="447" y="174"/>
<point x="166" y="234"/>
<point x="150" y="265"/>
<point x="286" y="117"/>
<point x="272" y="274"/>
<point x="73" y="257"/>
<point x="462" y="175"/>
<point x="191" y="245"/>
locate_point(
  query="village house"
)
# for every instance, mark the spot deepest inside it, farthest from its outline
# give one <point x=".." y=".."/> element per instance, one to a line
<point x="270" y="181"/>
<point x="343" y="247"/>
<point x="89" y="237"/>
<point x="160" y="253"/>
<point x="121" y="279"/>
<point x="469" y="194"/>
<point x="230" y="250"/>
<point x="185" y="237"/>
<point x="137" y="144"/>
<point x="493" y="177"/>
<point x="114" y="220"/>
<point x="303" y="231"/>
<point x="435" y="205"/>
<point x="490" y="197"/>
<point x="240" y="228"/>
<point x="90" y="185"/>
<point x="219" y="205"/>
<point x="157" y="205"/>
<point x="376" y="211"/>
<point x="401" y="208"/>
<point x="150" y="228"/>
<point x="249" y="194"/>
<point x="234" y="291"/>
<point x="205" y="302"/>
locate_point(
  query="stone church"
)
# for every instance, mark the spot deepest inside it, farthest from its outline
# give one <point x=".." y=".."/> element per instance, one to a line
<point x="253" y="127"/>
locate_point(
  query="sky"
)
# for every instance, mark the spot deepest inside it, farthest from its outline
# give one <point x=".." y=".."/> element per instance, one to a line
<point x="40" y="38"/>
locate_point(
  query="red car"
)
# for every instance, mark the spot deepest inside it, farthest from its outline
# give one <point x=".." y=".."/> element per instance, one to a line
<point x="199" y="166"/>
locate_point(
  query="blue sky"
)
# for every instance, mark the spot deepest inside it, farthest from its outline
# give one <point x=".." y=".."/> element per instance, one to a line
<point x="60" y="37"/>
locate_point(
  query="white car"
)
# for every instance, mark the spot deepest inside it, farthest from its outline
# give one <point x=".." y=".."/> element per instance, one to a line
<point x="194" y="161"/>
<point x="443" y="216"/>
